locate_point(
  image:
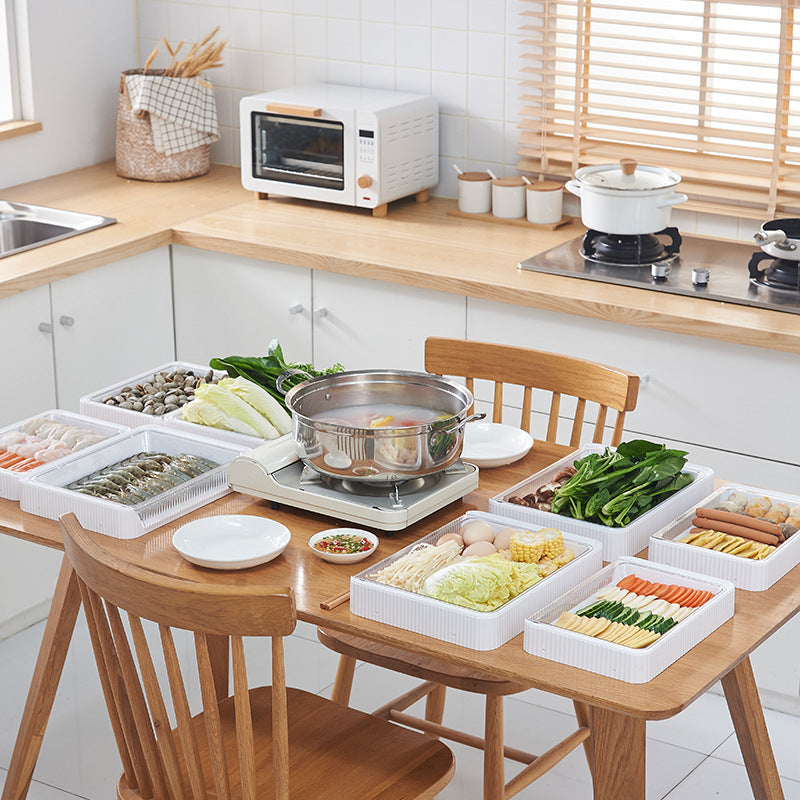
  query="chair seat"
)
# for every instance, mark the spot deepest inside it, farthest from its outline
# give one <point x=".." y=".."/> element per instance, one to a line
<point x="418" y="666"/>
<point x="393" y="763"/>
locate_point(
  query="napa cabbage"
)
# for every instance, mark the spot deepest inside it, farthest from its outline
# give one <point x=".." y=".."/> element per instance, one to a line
<point x="483" y="583"/>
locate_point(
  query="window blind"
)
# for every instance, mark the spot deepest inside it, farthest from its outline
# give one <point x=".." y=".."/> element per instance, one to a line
<point x="709" y="89"/>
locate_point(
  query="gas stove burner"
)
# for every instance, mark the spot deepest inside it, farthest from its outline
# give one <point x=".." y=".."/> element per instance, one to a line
<point x="634" y="250"/>
<point x="403" y="488"/>
<point x="780" y="273"/>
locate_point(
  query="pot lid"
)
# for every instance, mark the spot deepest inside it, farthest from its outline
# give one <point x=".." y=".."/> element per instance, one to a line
<point x="628" y="175"/>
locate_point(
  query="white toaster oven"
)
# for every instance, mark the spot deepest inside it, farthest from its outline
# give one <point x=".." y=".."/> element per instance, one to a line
<point x="340" y="144"/>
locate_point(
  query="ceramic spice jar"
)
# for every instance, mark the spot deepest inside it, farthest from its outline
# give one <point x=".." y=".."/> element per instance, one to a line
<point x="544" y="202"/>
<point x="474" y="192"/>
<point x="508" y="197"/>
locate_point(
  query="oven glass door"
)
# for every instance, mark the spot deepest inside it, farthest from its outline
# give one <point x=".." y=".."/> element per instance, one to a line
<point x="298" y="150"/>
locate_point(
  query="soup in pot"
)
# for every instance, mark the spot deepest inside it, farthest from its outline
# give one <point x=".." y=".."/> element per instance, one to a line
<point x="380" y="415"/>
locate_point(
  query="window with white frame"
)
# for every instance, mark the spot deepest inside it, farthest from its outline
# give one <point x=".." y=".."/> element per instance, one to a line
<point x="709" y="89"/>
<point x="9" y="100"/>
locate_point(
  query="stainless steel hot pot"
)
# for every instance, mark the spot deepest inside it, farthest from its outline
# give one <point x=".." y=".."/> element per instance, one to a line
<point x="382" y="454"/>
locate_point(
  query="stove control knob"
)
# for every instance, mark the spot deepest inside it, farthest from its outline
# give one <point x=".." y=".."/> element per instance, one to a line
<point x="700" y="276"/>
<point x="364" y="181"/>
<point x="659" y="271"/>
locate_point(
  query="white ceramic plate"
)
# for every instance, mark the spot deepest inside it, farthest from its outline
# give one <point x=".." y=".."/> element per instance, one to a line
<point x="232" y="541"/>
<point x="490" y="444"/>
<point x="343" y="558"/>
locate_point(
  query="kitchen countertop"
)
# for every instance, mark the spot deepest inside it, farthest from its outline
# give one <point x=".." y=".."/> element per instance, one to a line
<point x="415" y="244"/>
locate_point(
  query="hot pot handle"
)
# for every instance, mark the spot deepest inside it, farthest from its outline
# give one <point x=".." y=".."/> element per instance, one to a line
<point x="285" y="375"/>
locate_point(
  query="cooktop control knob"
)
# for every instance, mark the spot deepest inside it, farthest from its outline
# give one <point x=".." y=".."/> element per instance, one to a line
<point x="364" y="181"/>
<point x="659" y="271"/>
<point x="700" y="276"/>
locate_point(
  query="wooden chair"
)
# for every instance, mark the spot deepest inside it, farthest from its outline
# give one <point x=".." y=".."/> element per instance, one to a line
<point x="266" y="742"/>
<point x="608" y="388"/>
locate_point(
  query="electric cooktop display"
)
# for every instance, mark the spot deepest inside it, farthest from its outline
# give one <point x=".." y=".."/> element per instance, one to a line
<point x="705" y="268"/>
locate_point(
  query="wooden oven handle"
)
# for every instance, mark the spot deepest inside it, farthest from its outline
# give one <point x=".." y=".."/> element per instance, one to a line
<point x="294" y="111"/>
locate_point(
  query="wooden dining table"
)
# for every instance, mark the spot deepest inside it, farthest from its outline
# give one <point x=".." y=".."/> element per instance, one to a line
<point x="618" y="711"/>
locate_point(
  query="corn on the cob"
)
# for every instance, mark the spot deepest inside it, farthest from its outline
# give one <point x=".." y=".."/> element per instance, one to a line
<point x="526" y="546"/>
<point x="553" y="542"/>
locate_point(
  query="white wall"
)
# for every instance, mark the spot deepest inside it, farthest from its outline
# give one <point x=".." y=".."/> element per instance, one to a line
<point x="465" y="52"/>
<point x="77" y="51"/>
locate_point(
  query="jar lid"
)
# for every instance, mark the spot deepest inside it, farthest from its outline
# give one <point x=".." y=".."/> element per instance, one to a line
<point x="628" y="175"/>
<point x="545" y="186"/>
<point x="510" y="180"/>
<point x="474" y="176"/>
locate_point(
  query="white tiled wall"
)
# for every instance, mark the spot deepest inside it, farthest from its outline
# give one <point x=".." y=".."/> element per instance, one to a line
<point x="465" y="52"/>
<point x="462" y="51"/>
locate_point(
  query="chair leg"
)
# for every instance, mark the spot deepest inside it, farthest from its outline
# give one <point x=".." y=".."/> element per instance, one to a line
<point x="493" y="766"/>
<point x="434" y="704"/>
<point x="343" y="684"/>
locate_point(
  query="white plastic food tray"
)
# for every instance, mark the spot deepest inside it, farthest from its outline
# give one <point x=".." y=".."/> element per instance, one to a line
<point x="626" y="541"/>
<point x="10" y="481"/>
<point x="45" y="495"/>
<point x="93" y="405"/>
<point x="745" y="573"/>
<point x="478" y="630"/>
<point x="544" y="639"/>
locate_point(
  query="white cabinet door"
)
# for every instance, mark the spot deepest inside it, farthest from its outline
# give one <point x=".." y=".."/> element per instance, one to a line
<point x="368" y="324"/>
<point x="110" y="323"/>
<point x="232" y="305"/>
<point x="26" y="353"/>
<point x="28" y="574"/>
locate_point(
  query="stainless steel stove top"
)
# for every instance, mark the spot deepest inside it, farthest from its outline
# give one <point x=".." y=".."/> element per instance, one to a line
<point x="727" y="264"/>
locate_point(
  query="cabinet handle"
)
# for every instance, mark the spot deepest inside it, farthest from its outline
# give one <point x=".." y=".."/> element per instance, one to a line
<point x="320" y="313"/>
<point x="67" y="322"/>
<point x="46" y="327"/>
<point x="297" y="308"/>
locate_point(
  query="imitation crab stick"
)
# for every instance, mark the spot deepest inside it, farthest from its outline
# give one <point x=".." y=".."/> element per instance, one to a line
<point x="26" y="464"/>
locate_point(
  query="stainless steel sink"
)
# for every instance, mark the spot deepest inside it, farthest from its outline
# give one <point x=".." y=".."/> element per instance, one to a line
<point x="23" y="226"/>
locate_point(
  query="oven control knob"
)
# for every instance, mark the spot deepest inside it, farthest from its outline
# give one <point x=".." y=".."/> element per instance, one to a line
<point x="364" y="181"/>
<point x="700" y="276"/>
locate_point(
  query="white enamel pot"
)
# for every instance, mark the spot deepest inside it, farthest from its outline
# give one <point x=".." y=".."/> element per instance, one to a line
<point x="626" y="198"/>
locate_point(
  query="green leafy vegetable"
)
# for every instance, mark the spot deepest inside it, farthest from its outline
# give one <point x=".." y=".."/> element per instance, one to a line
<point x="265" y="370"/>
<point x="614" y="487"/>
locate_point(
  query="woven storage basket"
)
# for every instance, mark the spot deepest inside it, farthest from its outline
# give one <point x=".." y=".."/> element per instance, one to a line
<point x="136" y="156"/>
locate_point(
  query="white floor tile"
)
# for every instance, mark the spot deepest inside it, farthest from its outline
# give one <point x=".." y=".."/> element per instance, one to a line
<point x="784" y="733"/>
<point x="717" y="778"/>
<point x="702" y="727"/>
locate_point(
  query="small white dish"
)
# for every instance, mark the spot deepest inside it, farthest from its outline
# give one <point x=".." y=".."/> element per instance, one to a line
<point x="231" y="541"/>
<point x="491" y="444"/>
<point x="343" y="558"/>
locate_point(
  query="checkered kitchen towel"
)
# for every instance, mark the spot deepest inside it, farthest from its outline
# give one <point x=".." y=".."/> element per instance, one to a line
<point x="183" y="114"/>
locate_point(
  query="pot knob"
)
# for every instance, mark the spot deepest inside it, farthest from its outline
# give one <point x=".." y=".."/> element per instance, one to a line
<point x="628" y="165"/>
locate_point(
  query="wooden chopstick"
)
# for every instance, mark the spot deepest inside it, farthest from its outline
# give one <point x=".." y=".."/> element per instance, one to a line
<point x="336" y="600"/>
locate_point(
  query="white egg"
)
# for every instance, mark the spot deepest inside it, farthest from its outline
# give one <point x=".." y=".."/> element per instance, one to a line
<point x="479" y="548"/>
<point x="450" y="537"/>
<point x="502" y="541"/>
<point x="476" y="530"/>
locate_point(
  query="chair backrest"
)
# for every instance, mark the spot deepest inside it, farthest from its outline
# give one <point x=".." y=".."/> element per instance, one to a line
<point x="608" y="387"/>
<point x="157" y="762"/>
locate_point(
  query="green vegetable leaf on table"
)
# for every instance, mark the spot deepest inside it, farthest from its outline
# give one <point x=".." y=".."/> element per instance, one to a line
<point x="264" y="371"/>
<point x="614" y="487"/>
